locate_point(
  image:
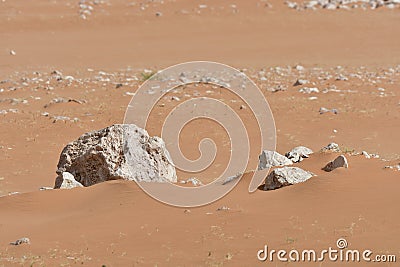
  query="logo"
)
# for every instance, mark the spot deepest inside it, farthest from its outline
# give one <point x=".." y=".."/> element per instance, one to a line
<point x="218" y="76"/>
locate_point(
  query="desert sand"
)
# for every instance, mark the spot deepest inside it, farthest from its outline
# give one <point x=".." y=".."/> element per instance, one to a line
<point x="351" y="56"/>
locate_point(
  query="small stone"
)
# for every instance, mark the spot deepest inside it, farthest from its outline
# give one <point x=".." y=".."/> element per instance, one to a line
<point x="231" y="178"/>
<point x="323" y="110"/>
<point x="308" y="90"/>
<point x="175" y="98"/>
<point x="194" y="181"/>
<point x="300" y="82"/>
<point x="20" y="241"/>
<point x="286" y="176"/>
<point x="332" y="147"/>
<point x="223" y="208"/>
<point x="158" y="14"/>
<point x="68" y="181"/>
<point x="299" y="67"/>
<point x="44" y="188"/>
<point x="13" y="53"/>
<point x="365" y="154"/>
<point x="298" y="153"/>
<point x="339" y="162"/>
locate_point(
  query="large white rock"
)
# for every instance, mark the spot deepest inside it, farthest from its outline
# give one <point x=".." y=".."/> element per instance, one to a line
<point x="121" y="151"/>
<point x="269" y="159"/>
<point x="286" y="176"/>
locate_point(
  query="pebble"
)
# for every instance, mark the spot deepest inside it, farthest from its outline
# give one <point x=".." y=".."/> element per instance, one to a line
<point x="308" y="90"/>
<point x="340" y="4"/>
<point x="23" y="240"/>
<point x="365" y="154"/>
<point x="323" y="110"/>
<point x="13" y="53"/>
<point x="300" y="82"/>
<point x="332" y="147"/>
<point x="193" y="180"/>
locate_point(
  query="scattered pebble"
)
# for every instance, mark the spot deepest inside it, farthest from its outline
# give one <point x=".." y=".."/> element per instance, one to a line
<point x="193" y="180"/>
<point x="23" y="240"/>
<point x="365" y="154"/>
<point x="43" y="188"/>
<point x="323" y="110"/>
<point x="300" y="82"/>
<point x="332" y="147"/>
<point x="394" y="167"/>
<point x="340" y="4"/>
<point x="308" y="90"/>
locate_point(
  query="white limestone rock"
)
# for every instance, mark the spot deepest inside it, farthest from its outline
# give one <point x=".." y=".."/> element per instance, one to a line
<point x="269" y="159"/>
<point x="286" y="176"/>
<point x="298" y="153"/>
<point x="121" y="151"/>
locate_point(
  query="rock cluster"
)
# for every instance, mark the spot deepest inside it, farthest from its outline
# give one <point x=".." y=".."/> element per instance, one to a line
<point x="121" y="151"/>
<point x="286" y="175"/>
<point x="343" y="4"/>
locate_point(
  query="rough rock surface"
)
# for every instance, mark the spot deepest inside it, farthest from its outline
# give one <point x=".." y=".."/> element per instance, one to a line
<point x="121" y="151"/>
<point x="298" y="153"/>
<point x="272" y="158"/>
<point x="286" y="176"/>
<point x="340" y="161"/>
<point x="67" y="181"/>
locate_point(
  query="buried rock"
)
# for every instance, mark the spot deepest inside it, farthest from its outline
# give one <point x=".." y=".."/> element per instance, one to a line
<point x="286" y="176"/>
<point x="298" y="153"/>
<point x="121" y="151"/>
<point x="340" y="161"/>
<point x="272" y="158"/>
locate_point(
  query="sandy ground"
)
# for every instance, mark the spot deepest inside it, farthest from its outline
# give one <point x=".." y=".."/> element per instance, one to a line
<point x="352" y="57"/>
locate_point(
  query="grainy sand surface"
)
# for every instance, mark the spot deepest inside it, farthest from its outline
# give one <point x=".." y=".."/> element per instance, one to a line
<point x="351" y="56"/>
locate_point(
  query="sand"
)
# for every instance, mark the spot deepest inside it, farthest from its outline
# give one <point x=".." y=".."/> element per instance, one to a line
<point x="115" y="223"/>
